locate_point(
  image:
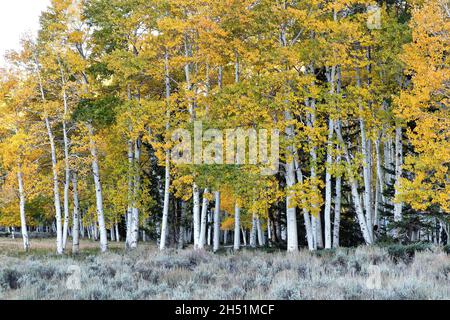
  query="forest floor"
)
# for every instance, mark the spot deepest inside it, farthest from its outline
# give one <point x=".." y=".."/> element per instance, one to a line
<point x="146" y="273"/>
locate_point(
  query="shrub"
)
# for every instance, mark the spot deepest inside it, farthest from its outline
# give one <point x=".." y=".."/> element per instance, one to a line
<point x="9" y="278"/>
<point x="406" y="253"/>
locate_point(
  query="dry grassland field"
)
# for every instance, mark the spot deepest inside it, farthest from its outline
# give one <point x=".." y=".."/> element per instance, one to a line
<point x="361" y="273"/>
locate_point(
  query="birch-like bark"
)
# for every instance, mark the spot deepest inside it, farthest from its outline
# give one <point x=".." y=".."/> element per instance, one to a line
<point x="253" y="232"/>
<point x="209" y="232"/>
<point x="66" y="161"/>
<point x="244" y="236"/>
<point x="328" y="190"/>
<point x="237" y="231"/>
<point x="337" y="210"/>
<point x="306" y="215"/>
<point x="98" y="191"/>
<point x="365" y="150"/>
<point x="331" y="72"/>
<point x="129" y="213"/>
<point x="260" y="232"/>
<point x="216" y="234"/>
<point x="291" y="215"/>
<point x="354" y="188"/>
<point x="379" y="198"/>
<point x="116" y="227"/>
<point x="23" y="220"/>
<point x="315" y="221"/>
<point x="196" y="215"/>
<point x="76" y="216"/>
<point x="57" y="198"/>
<point x="162" y="244"/>
<point x="398" y="172"/>
<point x="136" y="186"/>
<point x="202" y="241"/>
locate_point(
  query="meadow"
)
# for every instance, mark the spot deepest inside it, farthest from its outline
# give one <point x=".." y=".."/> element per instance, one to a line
<point x="395" y="272"/>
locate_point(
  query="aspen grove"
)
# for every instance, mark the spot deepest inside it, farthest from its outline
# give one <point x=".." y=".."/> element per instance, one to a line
<point x="358" y="92"/>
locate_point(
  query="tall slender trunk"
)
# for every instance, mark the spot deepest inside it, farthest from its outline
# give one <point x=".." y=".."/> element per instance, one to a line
<point x="162" y="244"/>
<point x="57" y="198"/>
<point x="337" y="208"/>
<point x="66" y="157"/>
<point x="366" y="154"/>
<point x="136" y="188"/>
<point x="260" y="232"/>
<point x="23" y="221"/>
<point x="398" y="171"/>
<point x="354" y="189"/>
<point x="116" y="229"/>
<point x="328" y="190"/>
<point x="244" y="236"/>
<point x="291" y="215"/>
<point x="209" y="229"/>
<point x="306" y="215"/>
<point x="98" y="190"/>
<point x="379" y="198"/>
<point x="331" y="76"/>
<point x="237" y="223"/>
<point x="253" y="232"/>
<point x="196" y="215"/>
<point x="315" y="221"/>
<point x="216" y="239"/>
<point x="129" y="213"/>
<point x="76" y="215"/>
<point x="203" y="220"/>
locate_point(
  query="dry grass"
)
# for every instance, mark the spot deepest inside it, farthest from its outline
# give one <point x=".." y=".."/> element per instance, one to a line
<point x="148" y="274"/>
<point x="14" y="245"/>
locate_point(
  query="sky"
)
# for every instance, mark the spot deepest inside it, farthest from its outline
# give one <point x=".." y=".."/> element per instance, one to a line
<point x="18" y="17"/>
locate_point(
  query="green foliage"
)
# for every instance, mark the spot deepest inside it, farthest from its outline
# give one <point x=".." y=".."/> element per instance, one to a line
<point x="99" y="112"/>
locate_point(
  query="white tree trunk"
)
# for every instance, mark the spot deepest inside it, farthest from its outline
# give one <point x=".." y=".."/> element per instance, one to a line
<point x="66" y="159"/>
<point x="76" y="216"/>
<point x="261" y="237"/>
<point x="98" y="191"/>
<point x="354" y="189"/>
<point x="253" y="233"/>
<point x="196" y="215"/>
<point x="23" y="221"/>
<point x="244" y="236"/>
<point x="129" y="213"/>
<point x="291" y="215"/>
<point x="117" y="232"/>
<point x="237" y="227"/>
<point x="306" y="215"/>
<point x="209" y="233"/>
<point x="337" y="208"/>
<point x="57" y="199"/>
<point x="315" y="221"/>
<point x="379" y="198"/>
<point x="398" y="172"/>
<point x="136" y="185"/>
<point x="216" y="240"/>
<point x="202" y="241"/>
<point x="365" y="149"/>
<point x="328" y="190"/>
<point x="162" y="244"/>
